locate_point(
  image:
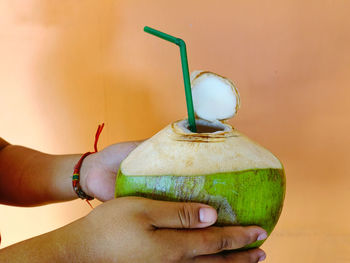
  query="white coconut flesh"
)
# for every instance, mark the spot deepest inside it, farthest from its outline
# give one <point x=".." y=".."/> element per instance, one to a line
<point x="214" y="97"/>
<point x="177" y="151"/>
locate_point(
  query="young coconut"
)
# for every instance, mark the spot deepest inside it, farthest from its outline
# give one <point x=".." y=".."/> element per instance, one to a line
<point x="217" y="165"/>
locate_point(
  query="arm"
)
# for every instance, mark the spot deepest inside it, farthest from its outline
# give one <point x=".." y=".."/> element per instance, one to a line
<point x="29" y="177"/>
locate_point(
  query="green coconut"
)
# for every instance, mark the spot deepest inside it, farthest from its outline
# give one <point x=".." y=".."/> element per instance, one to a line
<point x="217" y="165"/>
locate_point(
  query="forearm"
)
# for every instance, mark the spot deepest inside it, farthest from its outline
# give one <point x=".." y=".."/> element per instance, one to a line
<point x="29" y="177"/>
<point x="61" y="245"/>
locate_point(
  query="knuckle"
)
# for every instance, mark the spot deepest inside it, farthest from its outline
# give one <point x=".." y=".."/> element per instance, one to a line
<point x="232" y="240"/>
<point x="252" y="257"/>
<point x="246" y="256"/>
<point x="244" y="237"/>
<point x="224" y="243"/>
<point x="254" y="254"/>
<point x="187" y="216"/>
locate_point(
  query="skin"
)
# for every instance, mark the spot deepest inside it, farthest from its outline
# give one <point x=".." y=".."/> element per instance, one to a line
<point x="128" y="229"/>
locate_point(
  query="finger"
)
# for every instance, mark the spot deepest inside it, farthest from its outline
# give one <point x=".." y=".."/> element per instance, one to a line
<point x="180" y="215"/>
<point x="212" y="240"/>
<point x="248" y="256"/>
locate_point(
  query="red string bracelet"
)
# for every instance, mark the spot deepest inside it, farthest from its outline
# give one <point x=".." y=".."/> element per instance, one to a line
<point x="76" y="174"/>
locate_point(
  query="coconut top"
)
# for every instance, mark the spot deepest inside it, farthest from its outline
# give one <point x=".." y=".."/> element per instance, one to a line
<point x="175" y="150"/>
<point x="214" y="97"/>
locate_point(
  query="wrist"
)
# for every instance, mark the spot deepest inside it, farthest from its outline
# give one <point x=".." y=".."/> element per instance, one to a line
<point x="59" y="185"/>
<point x="85" y="171"/>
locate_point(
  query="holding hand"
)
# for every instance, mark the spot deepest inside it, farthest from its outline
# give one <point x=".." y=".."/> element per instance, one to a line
<point x="99" y="170"/>
<point x="132" y="229"/>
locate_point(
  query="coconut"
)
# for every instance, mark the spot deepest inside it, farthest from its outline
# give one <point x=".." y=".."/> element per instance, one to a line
<point x="217" y="165"/>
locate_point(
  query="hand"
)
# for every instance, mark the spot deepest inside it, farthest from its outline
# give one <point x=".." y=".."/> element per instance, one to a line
<point x="139" y="230"/>
<point x="133" y="229"/>
<point x="99" y="170"/>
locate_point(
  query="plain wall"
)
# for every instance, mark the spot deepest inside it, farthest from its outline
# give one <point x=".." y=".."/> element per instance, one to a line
<point x="66" y="66"/>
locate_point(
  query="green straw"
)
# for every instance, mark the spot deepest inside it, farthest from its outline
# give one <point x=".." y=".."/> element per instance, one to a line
<point x="186" y="74"/>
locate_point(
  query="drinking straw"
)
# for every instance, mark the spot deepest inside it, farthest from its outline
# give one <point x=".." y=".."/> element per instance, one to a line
<point x="186" y="74"/>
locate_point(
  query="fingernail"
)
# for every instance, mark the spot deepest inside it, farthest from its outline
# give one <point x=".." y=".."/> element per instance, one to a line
<point x="262" y="236"/>
<point x="207" y="215"/>
<point x="262" y="258"/>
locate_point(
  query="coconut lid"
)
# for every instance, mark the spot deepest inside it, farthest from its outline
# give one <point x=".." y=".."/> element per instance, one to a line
<point x="214" y="97"/>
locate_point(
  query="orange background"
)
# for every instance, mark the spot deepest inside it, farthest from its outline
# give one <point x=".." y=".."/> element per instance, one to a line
<point x="67" y="66"/>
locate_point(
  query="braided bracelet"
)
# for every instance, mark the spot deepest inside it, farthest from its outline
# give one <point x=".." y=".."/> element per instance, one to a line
<point x="76" y="179"/>
<point x="76" y="174"/>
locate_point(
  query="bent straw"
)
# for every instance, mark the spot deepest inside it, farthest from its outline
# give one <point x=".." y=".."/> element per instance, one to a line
<point x="186" y="74"/>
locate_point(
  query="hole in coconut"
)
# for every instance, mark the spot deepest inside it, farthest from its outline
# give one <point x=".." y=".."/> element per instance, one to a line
<point x="204" y="126"/>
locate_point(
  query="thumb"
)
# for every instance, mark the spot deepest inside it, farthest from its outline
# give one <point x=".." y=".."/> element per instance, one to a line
<point x="111" y="156"/>
<point x="180" y="215"/>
